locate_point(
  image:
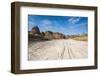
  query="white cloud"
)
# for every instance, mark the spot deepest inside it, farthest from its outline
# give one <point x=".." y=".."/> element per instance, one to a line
<point x="46" y="24"/>
<point x="74" y="20"/>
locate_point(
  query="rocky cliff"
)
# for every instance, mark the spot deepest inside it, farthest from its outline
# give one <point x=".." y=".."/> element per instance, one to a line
<point x="35" y="34"/>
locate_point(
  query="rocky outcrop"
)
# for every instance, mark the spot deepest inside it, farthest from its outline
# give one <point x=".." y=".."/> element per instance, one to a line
<point x="35" y="30"/>
<point x="57" y="35"/>
<point x="48" y="35"/>
<point x="35" y="34"/>
<point x="53" y="35"/>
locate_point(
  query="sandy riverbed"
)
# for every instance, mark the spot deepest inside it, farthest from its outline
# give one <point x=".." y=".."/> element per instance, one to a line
<point x="58" y="49"/>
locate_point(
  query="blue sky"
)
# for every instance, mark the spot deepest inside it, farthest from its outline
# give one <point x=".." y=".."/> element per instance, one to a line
<point x="67" y="25"/>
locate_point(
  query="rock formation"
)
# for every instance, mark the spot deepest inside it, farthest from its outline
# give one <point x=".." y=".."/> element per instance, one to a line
<point x="35" y="34"/>
<point x="35" y="30"/>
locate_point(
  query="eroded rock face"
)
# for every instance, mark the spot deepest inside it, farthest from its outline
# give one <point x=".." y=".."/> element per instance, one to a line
<point x="58" y="35"/>
<point x="48" y="35"/>
<point x="35" y="30"/>
<point x="53" y="35"/>
<point x="35" y="34"/>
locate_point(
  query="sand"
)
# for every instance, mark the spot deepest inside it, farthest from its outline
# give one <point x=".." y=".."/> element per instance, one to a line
<point x="58" y="49"/>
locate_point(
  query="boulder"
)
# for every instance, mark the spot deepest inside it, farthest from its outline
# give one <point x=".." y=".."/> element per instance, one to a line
<point x="35" y="30"/>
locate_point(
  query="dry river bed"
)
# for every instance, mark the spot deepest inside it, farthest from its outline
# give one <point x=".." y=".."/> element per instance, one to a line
<point x="58" y="49"/>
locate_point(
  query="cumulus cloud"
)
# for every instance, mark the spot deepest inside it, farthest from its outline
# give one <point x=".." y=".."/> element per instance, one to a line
<point x="74" y="20"/>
